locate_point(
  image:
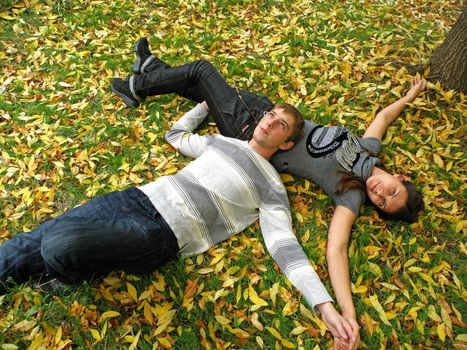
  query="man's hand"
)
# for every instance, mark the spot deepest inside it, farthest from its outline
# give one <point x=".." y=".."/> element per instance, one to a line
<point x="341" y="329"/>
<point x="417" y="85"/>
<point x="205" y="105"/>
<point x="349" y="344"/>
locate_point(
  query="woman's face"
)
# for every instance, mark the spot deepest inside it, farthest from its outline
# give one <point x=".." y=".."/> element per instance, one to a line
<point x="387" y="191"/>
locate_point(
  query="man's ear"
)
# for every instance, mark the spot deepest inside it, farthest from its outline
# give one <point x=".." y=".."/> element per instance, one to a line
<point x="287" y="145"/>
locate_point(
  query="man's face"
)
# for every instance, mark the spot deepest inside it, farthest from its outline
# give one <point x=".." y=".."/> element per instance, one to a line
<point x="274" y="130"/>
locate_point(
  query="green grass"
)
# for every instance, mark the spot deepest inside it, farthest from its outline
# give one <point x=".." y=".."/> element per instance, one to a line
<point x="58" y="58"/>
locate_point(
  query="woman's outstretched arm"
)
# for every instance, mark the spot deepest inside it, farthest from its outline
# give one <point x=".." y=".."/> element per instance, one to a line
<point x="390" y="113"/>
<point x="338" y="266"/>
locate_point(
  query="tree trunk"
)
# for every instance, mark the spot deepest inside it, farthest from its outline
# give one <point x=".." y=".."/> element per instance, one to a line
<point x="448" y="65"/>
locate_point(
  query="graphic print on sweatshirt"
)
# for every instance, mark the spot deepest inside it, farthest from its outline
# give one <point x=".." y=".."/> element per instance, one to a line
<point x="334" y="140"/>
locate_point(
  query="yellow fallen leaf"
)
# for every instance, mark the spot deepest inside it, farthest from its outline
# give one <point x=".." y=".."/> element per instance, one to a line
<point x="438" y="161"/>
<point x="377" y="306"/>
<point x="104" y="330"/>
<point x="5" y="15"/>
<point x="9" y="346"/>
<point x="375" y="269"/>
<point x="190" y="289"/>
<point x="255" y="322"/>
<point x="441" y="331"/>
<point x="219" y="266"/>
<point x="109" y="314"/>
<point x="415" y="269"/>
<point x="135" y="342"/>
<point x="449" y="165"/>
<point x="287" y="178"/>
<point x="37" y="342"/>
<point x="255" y="298"/>
<point x="58" y="335"/>
<point x="160" y="283"/>
<point x="229" y="282"/>
<point x="289" y="308"/>
<point x="145" y="295"/>
<point x="288" y="344"/>
<point x="239" y="333"/>
<point x="217" y="259"/>
<point x="220" y="293"/>
<point x="165" y="342"/>
<point x="427" y="278"/>
<point x="64" y="84"/>
<point x="222" y="320"/>
<point x="274" y="333"/>
<point x="282" y="93"/>
<point x="95" y="334"/>
<point x="24" y="325"/>
<point x="298" y="330"/>
<point x="132" y="291"/>
<point x="445" y="314"/>
<point x="410" y="262"/>
<point x="432" y="314"/>
<point x="346" y="69"/>
<point x="260" y="341"/>
<point x="160" y="328"/>
<point x="112" y="281"/>
<point x="107" y="294"/>
<point x="360" y="290"/>
<point x="205" y="271"/>
<point x="148" y="315"/>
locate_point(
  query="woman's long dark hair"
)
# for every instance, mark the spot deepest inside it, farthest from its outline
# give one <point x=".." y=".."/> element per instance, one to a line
<point x="409" y="212"/>
<point x="349" y="182"/>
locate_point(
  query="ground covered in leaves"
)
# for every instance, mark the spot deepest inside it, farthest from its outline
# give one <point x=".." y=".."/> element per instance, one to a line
<point x="65" y="138"/>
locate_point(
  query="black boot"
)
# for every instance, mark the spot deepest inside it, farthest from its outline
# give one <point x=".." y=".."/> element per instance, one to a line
<point x="146" y="62"/>
<point x="143" y="55"/>
<point x="123" y="89"/>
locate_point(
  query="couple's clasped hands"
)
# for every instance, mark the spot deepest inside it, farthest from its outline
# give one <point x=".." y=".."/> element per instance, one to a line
<point x="345" y="330"/>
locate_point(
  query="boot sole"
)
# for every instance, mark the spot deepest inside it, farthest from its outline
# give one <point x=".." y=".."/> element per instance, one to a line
<point x="126" y="100"/>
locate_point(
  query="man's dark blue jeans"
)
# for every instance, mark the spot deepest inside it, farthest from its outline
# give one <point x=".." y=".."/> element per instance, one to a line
<point x="117" y="231"/>
<point x="236" y="112"/>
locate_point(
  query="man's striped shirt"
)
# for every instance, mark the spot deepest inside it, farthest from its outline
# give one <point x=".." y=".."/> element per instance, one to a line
<point x="223" y="191"/>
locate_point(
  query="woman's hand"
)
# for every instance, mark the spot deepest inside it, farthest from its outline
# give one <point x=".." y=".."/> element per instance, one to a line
<point x="356" y="332"/>
<point x="341" y="329"/>
<point x="386" y="116"/>
<point x="350" y="344"/>
<point x="417" y="85"/>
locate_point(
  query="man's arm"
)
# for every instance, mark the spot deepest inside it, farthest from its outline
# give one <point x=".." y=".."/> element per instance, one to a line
<point x="181" y="137"/>
<point x="390" y="113"/>
<point x="276" y="227"/>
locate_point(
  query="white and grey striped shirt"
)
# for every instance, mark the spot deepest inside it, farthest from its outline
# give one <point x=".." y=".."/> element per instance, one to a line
<point x="223" y="191"/>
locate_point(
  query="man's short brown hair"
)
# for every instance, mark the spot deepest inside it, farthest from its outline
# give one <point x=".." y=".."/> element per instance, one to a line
<point x="299" y="122"/>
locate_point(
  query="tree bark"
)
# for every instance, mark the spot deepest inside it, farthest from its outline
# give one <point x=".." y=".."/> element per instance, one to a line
<point x="448" y="64"/>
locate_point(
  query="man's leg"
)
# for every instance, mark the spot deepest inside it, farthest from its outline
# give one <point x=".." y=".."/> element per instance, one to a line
<point x="147" y="63"/>
<point x="232" y="116"/>
<point x="78" y="249"/>
<point x="21" y="258"/>
<point x="120" y="230"/>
